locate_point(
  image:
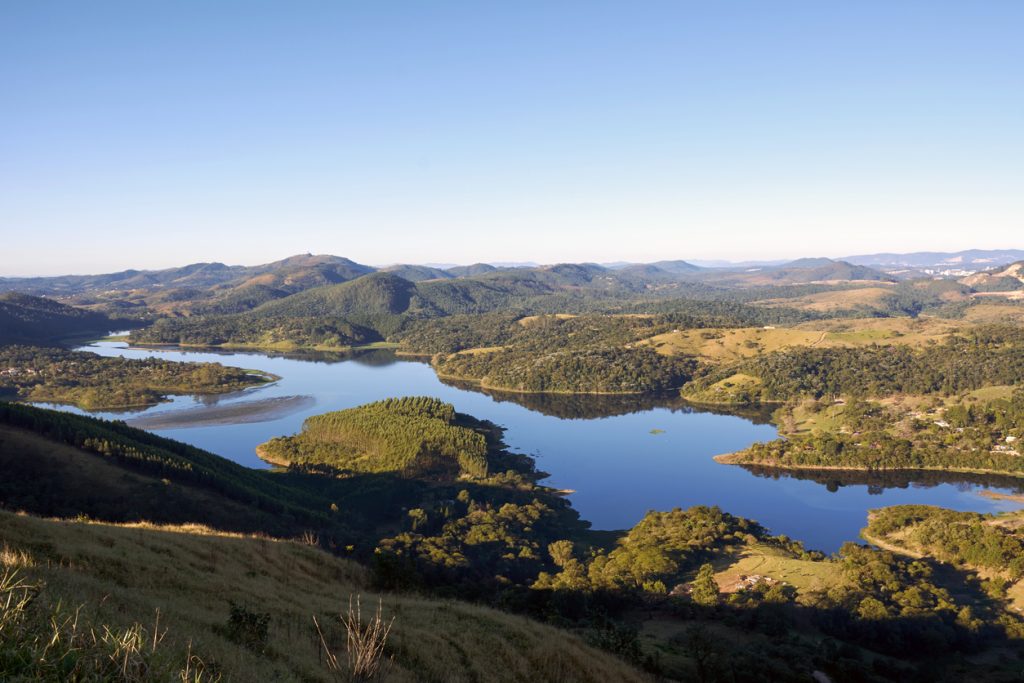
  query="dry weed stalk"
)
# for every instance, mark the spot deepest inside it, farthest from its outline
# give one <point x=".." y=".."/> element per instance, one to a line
<point x="364" y="646"/>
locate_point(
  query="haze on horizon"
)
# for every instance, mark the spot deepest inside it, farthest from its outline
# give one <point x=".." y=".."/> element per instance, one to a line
<point x="149" y="135"/>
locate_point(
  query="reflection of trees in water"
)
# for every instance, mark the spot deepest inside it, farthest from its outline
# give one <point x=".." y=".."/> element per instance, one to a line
<point x="365" y="357"/>
<point x="877" y="482"/>
<point x="374" y="357"/>
<point x="592" y="406"/>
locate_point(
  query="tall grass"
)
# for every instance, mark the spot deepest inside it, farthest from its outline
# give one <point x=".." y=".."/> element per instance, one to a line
<point x="122" y="574"/>
<point x="63" y="645"/>
<point x="364" y="644"/>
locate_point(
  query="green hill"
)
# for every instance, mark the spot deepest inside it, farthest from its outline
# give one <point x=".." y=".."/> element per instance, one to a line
<point x="376" y="301"/>
<point x="418" y="273"/>
<point x="471" y="270"/>
<point x="33" y="319"/>
<point x="57" y="463"/>
<point x="416" y="436"/>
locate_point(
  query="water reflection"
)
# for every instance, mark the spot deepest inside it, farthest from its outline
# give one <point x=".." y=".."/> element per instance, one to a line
<point x="622" y="455"/>
<point x="594" y="406"/>
<point x="877" y="482"/>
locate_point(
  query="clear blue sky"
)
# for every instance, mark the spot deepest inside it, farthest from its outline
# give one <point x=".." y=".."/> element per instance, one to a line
<point x="150" y="134"/>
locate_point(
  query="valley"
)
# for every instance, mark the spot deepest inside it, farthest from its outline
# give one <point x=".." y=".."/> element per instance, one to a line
<point x="641" y="456"/>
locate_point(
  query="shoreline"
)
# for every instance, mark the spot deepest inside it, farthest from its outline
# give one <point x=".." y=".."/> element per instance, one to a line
<point x="507" y="390"/>
<point x="733" y="459"/>
<point x="281" y="348"/>
<point x="278" y="462"/>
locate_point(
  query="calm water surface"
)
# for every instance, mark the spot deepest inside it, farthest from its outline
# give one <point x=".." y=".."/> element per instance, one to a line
<point x="619" y="463"/>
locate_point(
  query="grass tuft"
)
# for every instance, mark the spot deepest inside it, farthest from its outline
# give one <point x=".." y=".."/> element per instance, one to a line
<point x="364" y="647"/>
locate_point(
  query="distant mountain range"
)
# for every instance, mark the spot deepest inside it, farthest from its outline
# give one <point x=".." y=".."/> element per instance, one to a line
<point x="219" y="288"/>
<point x="303" y="280"/>
<point x="970" y="259"/>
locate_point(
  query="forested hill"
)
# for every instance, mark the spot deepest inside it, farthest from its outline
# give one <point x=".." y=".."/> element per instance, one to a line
<point x="416" y="436"/>
<point x="33" y="319"/>
<point x="216" y="288"/>
<point x="57" y="463"/>
<point x="378" y="306"/>
<point x="195" y="275"/>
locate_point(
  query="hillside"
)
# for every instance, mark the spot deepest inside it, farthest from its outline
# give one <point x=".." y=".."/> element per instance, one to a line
<point x="57" y="463"/>
<point x="377" y="298"/>
<point x="242" y="608"/>
<point x="197" y="275"/>
<point x="473" y="269"/>
<point x="414" y="436"/>
<point x="236" y="301"/>
<point x="418" y="273"/>
<point x="32" y="319"/>
<point x="801" y="271"/>
<point x="200" y="288"/>
<point x="1007" y="279"/>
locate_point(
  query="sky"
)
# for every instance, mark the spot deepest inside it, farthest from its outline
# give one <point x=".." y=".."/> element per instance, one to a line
<point x="155" y="134"/>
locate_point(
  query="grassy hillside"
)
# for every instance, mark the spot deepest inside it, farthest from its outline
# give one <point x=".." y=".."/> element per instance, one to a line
<point x="722" y="345"/>
<point x="61" y="463"/>
<point x="54" y="479"/>
<point x="183" y="584"/>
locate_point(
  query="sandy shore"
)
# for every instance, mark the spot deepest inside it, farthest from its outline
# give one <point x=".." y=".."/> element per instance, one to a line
<point x="243" y="412"/>
<point x="996" y="495"/>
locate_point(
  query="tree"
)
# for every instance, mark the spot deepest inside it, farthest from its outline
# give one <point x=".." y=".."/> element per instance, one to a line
<point x="705" y="588"/>
<point x="561" y="552"/>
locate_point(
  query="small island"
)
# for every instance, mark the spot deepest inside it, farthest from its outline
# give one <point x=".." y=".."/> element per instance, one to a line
<point x="416" y="437"/>
<point x="93" y="382"/>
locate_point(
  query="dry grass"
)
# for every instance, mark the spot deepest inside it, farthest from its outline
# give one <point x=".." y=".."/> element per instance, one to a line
<point x="825" y="302"/>
<point x="804" y="575"/>
<point x="12" y="558"/>
<point x="730" y="345"/>
<point x="364" y="644"/>
<point x="57" y="643"/>
<point x="526" y="320"/>
<point x="122" y="574"/>
<point x="995" y="313"/>
<point x="480" y="350"/>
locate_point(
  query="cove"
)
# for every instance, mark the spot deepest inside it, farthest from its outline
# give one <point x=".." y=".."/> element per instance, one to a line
<point x="621" y="456"/>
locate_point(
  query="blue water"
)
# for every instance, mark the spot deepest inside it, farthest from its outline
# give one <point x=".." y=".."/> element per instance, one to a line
<point x="617" y="467"/>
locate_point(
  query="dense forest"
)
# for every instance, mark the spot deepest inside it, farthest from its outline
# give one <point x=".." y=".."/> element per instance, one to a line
<point x="962" y="538"/>
<point x="415" y="436"/>
<point x="986" y="437"/>
<point x="978" y="357"/>
<point x="596" y="370"/>
<point x="239" y="330"/>
<point x="568" y="354"/>
<point x="92" y="382"/>
<point x="33" y="319"/>
<point x="146" y="453"/>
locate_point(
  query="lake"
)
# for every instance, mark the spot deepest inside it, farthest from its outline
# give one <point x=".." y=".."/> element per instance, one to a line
<point x="622" y="456"/>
